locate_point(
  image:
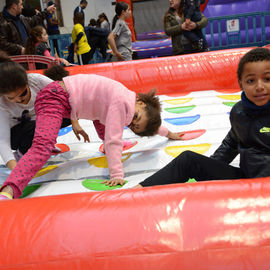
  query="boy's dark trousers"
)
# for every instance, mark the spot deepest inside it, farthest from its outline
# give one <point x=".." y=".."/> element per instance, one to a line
<point x="192" y="165"/>
<point x="22" y="134"/>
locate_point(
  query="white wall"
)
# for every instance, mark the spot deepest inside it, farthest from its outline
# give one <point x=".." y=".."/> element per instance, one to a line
<point x="93" y="9"/>
<point x="2" y="4"/>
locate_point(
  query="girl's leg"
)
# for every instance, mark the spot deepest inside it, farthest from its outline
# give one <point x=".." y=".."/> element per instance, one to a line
<point x="50" y="109"/>
<point x="22" y="134"/>
<point x="192" y="165"/>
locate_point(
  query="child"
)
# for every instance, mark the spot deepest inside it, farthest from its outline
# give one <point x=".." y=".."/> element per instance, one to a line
<point x="82" y="96"/>
<point x="79" y="40"/>
<point x="249" y="135"/>
<point x="104" y="22"/>
<point x="37" y="44"/>
<point x="120" y="37"/>
<point x="192" y="13"/>
<point x="17" y="113"/>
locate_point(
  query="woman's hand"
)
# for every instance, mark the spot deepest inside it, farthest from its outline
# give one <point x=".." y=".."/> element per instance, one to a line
<point x="175" y="135"/>
<point x="77" y="129"/>
<point x="114" y="182"/>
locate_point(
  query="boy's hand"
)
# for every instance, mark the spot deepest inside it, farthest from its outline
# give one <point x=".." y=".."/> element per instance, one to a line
<point x="175" y="135"/>
<point x="77" y="129"/>
<point x="114" y="182"/>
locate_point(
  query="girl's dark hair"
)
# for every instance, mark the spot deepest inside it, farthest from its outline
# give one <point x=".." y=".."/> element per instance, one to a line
<point x="12" y="77"/>
<point x="4" y="57"/>
<point x="103" y="15"/>
<point x="119" y="7"/>
<point x="34" y="34"/>
<point x="254" y="55"/>
<point x="56" y="73"/>
<point x="78" y="18"/>
<point x="153" y="109"/>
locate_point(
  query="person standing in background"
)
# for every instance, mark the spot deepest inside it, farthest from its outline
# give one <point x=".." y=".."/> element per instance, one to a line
<point x="80" y="8"/>
<point x="52" y="27"/>
<point x="120" y="36"/>
<point x="104" y="22"/>
<point x="79" y="39"/>
<point x="15" y="28"/>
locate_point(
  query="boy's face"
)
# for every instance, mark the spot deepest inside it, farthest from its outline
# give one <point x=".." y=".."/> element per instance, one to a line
<point x="139" y="121"/>
<point x="21" y="95"/>
<point x="255" y="82"/>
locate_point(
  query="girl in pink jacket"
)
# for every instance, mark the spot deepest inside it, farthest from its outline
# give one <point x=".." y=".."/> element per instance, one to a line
<point x="84" y="96"/>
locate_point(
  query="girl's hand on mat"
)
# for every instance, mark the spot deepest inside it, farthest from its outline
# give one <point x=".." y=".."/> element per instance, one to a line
<point x="175" y="135"/>
<point x="77" y="129"/>
<point x="114" y="182"/>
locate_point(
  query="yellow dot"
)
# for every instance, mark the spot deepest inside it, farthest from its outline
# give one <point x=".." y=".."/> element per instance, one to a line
<point x="178" y="101"/>
<point x="101" y="162"/>
<point x="46" y="170"/>
<point x="230" y="97"/>
<point x="174" y="151"/>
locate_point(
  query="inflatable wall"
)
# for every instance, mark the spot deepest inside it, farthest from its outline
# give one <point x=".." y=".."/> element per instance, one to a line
<point x="212" y="225"/>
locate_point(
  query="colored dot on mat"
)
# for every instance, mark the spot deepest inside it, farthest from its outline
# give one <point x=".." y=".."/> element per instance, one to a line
<point x="230" y="104"/>
<point x="180" y="109"/>
<point x="178" y="101"/>
<point x="95" y="184"/>
<point x="175" y="151"/>
<point x="101" y="162"/>
<point x="192" y="134"/>
<point x="46" y="170"/>
<point x="230" y="97"/>
<point x="182" y="120"/>
<point x="64" y="131"/>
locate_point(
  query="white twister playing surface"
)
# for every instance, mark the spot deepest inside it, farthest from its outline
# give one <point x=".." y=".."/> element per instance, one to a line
<point x="203" y="113"/>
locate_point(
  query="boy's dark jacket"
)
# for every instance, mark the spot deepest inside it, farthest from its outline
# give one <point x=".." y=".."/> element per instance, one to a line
<point x="250" y="137"/>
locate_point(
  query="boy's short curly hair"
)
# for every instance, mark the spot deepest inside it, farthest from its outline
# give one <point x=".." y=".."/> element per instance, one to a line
<point x="254" y="55"/>
<point x="12" y="77"/>
<point x="56" y="73"/>
<point x="153" y="109"/>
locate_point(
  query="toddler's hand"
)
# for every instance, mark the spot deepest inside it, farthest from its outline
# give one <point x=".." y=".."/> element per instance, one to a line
<point x="114" y="182"/>
<point x="175" y="135"/>
<point x="77" y="129"/>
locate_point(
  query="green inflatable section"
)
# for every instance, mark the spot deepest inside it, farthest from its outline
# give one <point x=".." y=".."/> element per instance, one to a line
<point x="95" y="184"/>
<point x="182" y="109"/>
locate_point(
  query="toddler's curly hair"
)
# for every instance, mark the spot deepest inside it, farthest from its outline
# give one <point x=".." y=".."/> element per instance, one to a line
<point x="153" y="109"/>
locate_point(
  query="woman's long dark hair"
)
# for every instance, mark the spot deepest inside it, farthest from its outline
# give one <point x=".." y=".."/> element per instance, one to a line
<point x="180" y="11"/>
<point x="36" y="32"/>
<point x="120" y="6"/>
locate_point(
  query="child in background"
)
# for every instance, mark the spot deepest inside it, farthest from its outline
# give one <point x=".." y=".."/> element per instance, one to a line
<point x="17" y="113"/>
<point x="37" y="43"/>
<point x="79" y="40"/>
<point x="104" y="22"/>
<point x="120" y="37"/>
<point x="192" y="12"/>
<point x="249" y="135"/>
<point x="82" y="96"/>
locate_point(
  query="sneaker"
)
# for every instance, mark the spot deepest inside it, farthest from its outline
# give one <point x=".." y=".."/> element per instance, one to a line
<point x="18" y="155"/>
<point x="4" y="197"/>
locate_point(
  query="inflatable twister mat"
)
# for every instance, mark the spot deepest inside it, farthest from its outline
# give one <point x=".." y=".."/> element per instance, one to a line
<point x="202" y="116"/>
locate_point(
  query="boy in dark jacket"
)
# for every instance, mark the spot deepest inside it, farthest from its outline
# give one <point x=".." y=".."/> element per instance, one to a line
<point x="249" y="135"/>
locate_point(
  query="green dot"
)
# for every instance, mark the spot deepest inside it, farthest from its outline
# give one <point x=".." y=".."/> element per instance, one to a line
<point x="191" y="180"/>
<point x="95" y="184"/>
<point x="29" y="190"/>
<point x="182" y="109"/>
<point x="230" y="104"/>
